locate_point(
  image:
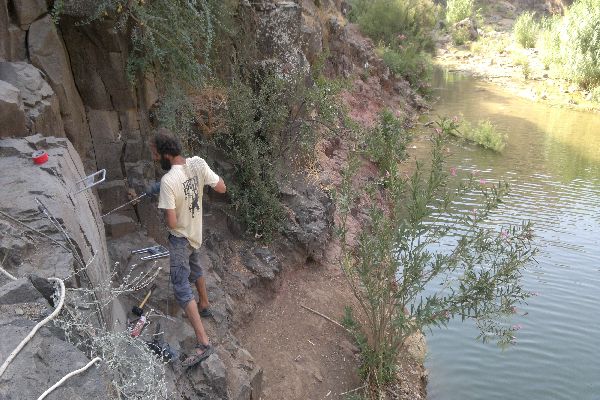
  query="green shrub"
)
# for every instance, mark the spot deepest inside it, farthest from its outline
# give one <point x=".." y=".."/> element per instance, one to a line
<point x="409" y="62"/>
<point x="386" y="142"/>
<point x="457" y="10"/>
<point x="522" y="60"/>
<point x="385" y="20"/>
<point x="595" y="94"/>
<point x="460" y="35"/>
<point x="548" y="43"/>
<point x="483" y="133"/>
<point x="271" y="127"/>
<point x="395" y="255"/>
<point x="403" y="30"/>
<point x="526" y="29"/>
<point x="572" y="44"/>
<point x="579" y="51"/>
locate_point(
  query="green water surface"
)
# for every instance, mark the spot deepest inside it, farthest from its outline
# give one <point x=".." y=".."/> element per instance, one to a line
<point x="552" y="161"/>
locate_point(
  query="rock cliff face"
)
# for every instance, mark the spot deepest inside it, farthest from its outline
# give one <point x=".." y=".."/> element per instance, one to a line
<point x="68" y="81"/>
<point x="44" y="198"/>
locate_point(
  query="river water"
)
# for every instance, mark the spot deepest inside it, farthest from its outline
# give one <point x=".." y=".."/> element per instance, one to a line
<point x="552" y="161"/>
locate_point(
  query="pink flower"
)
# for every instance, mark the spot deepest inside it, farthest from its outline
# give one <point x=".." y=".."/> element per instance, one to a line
<point x="504" y="234"/>
<point x="438" y="131"/>
<point x="513" y="310"/>
<point x="453" y="171"/>
<point x="482" y="181"/>
<point x="455" y="119"/>
<point x="401" y="37"/>
<point x="516" y="327"/>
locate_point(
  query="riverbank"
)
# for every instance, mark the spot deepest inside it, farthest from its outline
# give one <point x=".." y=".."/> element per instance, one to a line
<point x="497" y="58"/>
<point x="304" y="355"/>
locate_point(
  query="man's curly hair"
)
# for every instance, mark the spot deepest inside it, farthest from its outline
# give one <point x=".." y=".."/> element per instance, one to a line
<point x="166" y="143"/>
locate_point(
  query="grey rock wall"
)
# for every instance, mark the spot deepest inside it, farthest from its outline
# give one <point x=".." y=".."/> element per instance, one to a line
<point x="46" y="358"/>
<point x="53" y="184"/>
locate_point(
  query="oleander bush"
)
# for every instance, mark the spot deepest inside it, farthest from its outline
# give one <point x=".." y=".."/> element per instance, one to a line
<point x="403" y="280"/>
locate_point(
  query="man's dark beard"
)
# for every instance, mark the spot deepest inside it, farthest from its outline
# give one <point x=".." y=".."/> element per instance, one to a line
<point x="165" y="164"/>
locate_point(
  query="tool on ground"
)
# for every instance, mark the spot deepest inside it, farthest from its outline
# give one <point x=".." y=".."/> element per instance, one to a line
<point x="139" y="310"/>
<point x="39" y="157"/>
<point x="154" y="252"/>
<point x="140" y="323"/>
<point x="126" y="204"/>
<point x="160" y="347"/>
<point x="89" y="181"/>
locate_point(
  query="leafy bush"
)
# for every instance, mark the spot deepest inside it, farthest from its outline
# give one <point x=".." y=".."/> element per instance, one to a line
<point x="386" y="142"/>
<point x="384" y="20"/>
<point x="483" y="133"/>
<point x="409" y="62"/>
<point x="394" y="257"/>
<point x="172" y="39"/>
<point x="548" y="42"/>
<point x="523" y="61"/>
<point x="403" y="30"/>
<point x="268" y="131"/>
<point x="460" y="35"/>
<point x="580" y="43"/>
<point x="572" y="44"/>
<point x="526" y="29"/>
<point x="457" y="10"/>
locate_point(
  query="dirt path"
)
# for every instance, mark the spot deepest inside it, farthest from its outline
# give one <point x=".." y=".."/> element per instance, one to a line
<point x="303" y="355"/>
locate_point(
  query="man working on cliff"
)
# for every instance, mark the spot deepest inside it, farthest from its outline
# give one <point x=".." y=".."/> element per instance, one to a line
<point x="180" y="196"/>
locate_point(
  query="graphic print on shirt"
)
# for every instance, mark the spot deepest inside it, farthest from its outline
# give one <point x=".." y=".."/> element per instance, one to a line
<point x="190" y="189"/>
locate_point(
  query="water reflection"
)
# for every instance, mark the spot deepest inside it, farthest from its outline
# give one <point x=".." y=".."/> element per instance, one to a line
<point x="552" y="160"/>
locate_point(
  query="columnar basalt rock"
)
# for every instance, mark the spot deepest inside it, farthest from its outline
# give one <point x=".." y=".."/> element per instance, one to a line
<point x="40" y="103"/>
<point x="48" y="53"/>
<point x="12" y="113"/>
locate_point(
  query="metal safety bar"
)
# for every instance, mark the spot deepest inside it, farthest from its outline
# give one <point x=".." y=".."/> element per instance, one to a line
<point x="90" y="181"/>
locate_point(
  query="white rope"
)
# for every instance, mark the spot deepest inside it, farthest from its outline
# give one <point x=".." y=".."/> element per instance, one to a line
<point x="70" y="374"/>
<point x="38" y="326"/>
<point x="35" y="329"/>
<point x="5" y="272"/>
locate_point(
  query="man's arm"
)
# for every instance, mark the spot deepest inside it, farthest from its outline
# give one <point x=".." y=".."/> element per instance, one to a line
<point x="220" y="186"/>
<point x="171" y="218"/>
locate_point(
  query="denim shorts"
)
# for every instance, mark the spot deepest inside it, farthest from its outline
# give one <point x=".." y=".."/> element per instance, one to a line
<point x="185" y="268"/>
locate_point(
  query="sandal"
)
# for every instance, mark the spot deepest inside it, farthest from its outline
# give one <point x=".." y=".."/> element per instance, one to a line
<point x="205" y="313"/>
<point x="195" y="358"/>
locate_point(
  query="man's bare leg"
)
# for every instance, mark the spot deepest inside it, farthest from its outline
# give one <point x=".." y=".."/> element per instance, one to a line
<point x="191" y="309"/>
<point x="202" y="294"/>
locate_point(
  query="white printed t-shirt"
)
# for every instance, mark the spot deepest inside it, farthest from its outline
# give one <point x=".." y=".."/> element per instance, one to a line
<point x="181" y="189"/>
